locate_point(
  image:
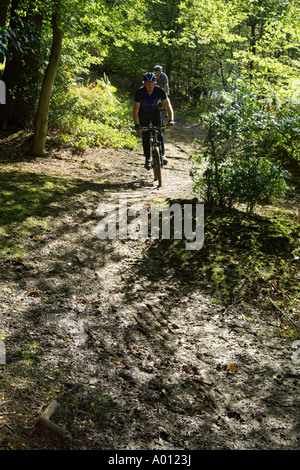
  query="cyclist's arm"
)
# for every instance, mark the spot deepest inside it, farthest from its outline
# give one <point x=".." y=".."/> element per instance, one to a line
<point x="136" y="107"/>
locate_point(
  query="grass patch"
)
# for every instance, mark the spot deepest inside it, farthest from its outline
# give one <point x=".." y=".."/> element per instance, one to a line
<point x="26" y="200"/>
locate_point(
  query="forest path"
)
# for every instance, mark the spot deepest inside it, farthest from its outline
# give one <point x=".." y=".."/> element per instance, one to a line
<point x="138" y="356"/>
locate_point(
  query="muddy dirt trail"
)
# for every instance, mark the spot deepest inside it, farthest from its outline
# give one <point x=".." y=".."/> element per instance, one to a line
<point x="138" y="356"/>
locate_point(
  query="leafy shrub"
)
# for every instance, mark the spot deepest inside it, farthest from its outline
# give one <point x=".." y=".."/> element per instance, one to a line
<point x="93" y="116"/>
<point x="248" y="141"/>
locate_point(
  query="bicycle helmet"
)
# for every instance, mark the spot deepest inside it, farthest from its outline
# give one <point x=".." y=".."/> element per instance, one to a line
<point x="149" y="77"/>
<point x="158" y="68"/>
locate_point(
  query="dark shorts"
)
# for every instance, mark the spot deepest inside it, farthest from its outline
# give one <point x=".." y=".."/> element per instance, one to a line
<point x="146" y="119"/>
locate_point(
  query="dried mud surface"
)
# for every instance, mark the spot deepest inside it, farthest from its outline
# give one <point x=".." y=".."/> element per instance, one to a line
<point x="137" y="355"/>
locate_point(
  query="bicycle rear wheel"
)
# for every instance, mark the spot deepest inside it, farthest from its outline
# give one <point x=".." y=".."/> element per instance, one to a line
<point x="157" y="166"/>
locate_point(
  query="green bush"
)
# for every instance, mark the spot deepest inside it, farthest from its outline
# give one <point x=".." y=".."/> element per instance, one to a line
<point x="92" y="115"/>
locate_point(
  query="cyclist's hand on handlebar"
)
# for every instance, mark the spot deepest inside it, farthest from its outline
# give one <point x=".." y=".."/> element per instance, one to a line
<point x="170" y="124"/>
<point x="138" y="128"/>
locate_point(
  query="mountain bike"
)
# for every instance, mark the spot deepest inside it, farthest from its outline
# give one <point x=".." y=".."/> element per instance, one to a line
<point x="156" y="149"/>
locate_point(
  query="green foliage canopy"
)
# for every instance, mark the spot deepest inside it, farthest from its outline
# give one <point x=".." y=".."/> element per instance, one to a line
<point x="205" y="46"/>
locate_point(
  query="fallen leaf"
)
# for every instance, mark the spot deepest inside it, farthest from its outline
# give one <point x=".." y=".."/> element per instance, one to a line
<point x="231" y="368"/>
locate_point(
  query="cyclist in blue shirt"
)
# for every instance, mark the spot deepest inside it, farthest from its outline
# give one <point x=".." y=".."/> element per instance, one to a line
<point x="146" y="111"/>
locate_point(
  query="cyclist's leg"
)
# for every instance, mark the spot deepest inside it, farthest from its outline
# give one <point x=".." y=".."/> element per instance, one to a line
<point x="157" y="122"/>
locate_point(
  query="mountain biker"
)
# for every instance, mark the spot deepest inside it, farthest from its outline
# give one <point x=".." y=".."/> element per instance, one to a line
<point x="146" y="110"/>
<point x="162" y="78"/>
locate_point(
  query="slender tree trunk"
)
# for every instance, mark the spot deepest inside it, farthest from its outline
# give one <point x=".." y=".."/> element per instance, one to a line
<point x="41" y="125"/>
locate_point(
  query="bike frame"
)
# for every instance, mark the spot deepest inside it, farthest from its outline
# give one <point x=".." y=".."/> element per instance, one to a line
<point x="155" y="131"/>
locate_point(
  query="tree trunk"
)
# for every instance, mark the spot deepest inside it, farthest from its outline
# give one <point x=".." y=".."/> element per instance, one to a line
<point x="41" y="125"/>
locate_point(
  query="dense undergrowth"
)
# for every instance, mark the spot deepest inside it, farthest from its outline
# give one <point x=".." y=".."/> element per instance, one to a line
<point x="250" y="142"/>
<point x="93" y="115"/>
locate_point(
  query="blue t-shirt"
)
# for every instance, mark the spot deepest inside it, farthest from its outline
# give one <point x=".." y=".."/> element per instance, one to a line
<point x="149" y="103"/>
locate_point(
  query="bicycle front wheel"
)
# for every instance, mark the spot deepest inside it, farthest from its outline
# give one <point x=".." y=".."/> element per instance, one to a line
<point x="157" y="166"/>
